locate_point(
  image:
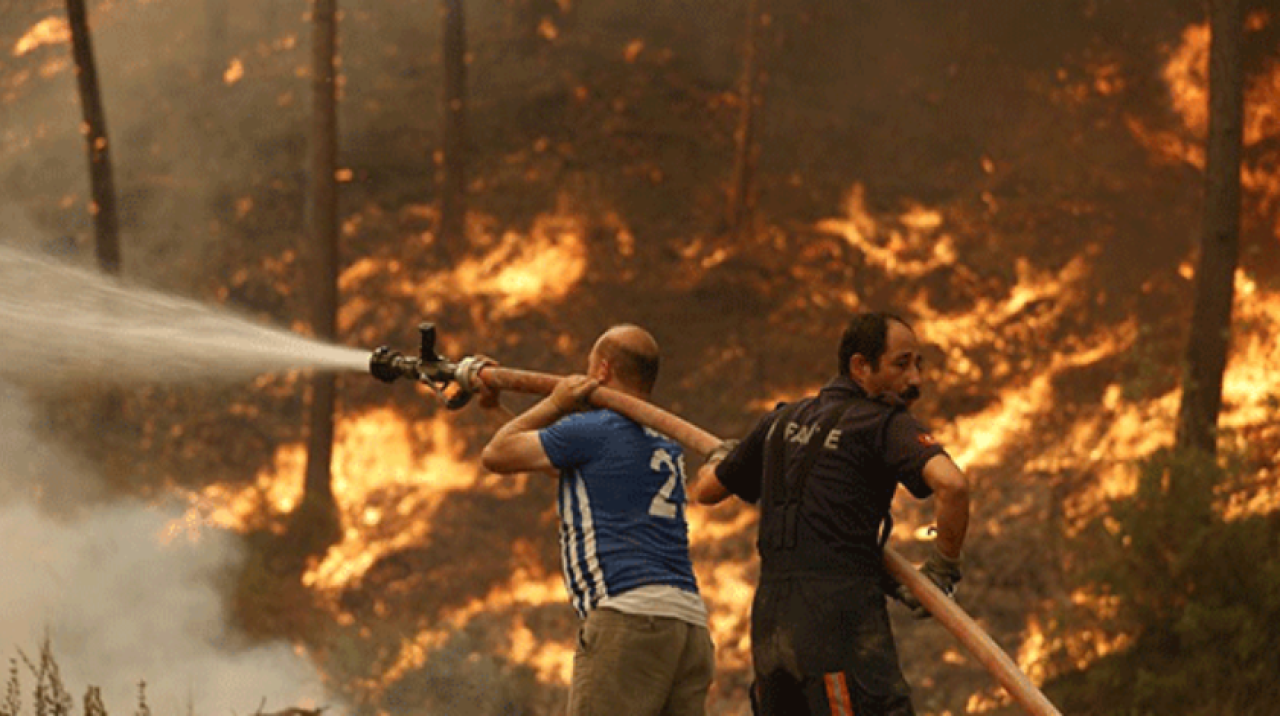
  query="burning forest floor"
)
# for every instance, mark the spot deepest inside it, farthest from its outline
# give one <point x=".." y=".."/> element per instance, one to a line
<point x="1038" y="236"/>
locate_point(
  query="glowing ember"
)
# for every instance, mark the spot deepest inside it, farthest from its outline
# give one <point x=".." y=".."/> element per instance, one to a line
<point x="548" y="30"/>
<point x="633" y="50"/>
<point x="49" y="31"/>
<point x="234" y="72"/>
<point x="985" y="701"/>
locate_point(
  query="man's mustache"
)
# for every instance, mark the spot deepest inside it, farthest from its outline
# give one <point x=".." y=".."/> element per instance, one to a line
<point x="911" y="393"/>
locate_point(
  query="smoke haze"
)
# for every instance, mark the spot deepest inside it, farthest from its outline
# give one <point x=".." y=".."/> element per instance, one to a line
<point x="120" y="602"/>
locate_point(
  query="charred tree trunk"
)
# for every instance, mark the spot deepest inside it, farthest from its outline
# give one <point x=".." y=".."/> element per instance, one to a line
<point x="317" y="518"/>
<point x="1220" y="233"/>
<point x="102" y="204"/>
<point x="741" y="195"/>
<point x="452" y="179"/>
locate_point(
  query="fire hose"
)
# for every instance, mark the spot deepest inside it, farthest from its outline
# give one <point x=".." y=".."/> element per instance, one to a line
<point x="456" y="382"/>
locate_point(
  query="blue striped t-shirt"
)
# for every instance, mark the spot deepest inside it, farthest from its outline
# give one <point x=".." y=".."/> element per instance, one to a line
<point x="621" y="506"/>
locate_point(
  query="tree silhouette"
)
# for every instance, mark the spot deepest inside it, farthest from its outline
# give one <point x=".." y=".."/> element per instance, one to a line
<point x="102" y="191"/>
<point x="741" y="195"/>
<point x="316" y="519"/>
<point x="1206" y="356"/>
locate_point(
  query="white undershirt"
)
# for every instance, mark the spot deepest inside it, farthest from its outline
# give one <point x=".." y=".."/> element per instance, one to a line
<point x="660" y="600"/>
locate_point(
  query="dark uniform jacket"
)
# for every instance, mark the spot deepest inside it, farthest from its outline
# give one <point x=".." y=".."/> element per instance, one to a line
<point x="835" y="530"/>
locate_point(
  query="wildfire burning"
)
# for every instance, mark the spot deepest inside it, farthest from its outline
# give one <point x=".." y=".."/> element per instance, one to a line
<point x="49" y="31"/>
<point x="1187" y="76"/>
<point x="518" y="271"/>
<point x="514" y="272"/>
<point x="393" y="475"/>
<point x="551" y="660"/>
<point x="390" y="476"/>
<point x="380" y="475"/>
<point x="909" y="249"/>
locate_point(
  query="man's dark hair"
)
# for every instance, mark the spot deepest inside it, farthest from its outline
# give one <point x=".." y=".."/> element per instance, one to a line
<point x="635" y="368"/>
<point x="867" y="335"/>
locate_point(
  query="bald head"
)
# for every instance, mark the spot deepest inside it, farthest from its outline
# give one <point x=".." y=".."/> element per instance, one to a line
<point x="630" y="356"/>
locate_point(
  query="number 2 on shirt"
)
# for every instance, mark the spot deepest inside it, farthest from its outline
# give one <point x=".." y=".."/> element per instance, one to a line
<point x="663" y="505"/>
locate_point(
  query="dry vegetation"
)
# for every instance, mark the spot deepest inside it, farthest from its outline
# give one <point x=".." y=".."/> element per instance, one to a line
<point x="49" y="695"/>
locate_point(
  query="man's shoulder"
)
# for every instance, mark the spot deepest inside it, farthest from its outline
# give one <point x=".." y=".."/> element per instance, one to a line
<point x="589" y="419"/>
<point x="609" y="425"/>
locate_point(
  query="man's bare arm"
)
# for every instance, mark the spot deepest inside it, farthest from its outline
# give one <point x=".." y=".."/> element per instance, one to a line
<point x="516" y="446"/>
<point x="951" y="490"/>
<point x="706" y="488"/>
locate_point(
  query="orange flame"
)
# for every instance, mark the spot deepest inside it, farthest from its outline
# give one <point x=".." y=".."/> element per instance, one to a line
<point x="727" y="587"/>
<point x="1187" y="76"/>
<point x="551" y="660"/>
<point x="515" y="273"/>
<point x="374" y="456"/>
<point x="49" y="31"/>
<point x="914" y="235"/>
<point x="520" y="270"/>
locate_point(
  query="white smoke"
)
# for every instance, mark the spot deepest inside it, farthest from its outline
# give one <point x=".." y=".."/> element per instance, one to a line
<point x="120" y="603"/>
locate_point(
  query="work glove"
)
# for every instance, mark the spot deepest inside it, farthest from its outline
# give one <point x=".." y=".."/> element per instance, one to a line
<point x="942" y="570"/>
<point x="722" y="450"/>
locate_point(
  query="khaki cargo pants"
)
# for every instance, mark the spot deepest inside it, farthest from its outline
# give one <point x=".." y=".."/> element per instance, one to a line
<point x="632" y="665"/>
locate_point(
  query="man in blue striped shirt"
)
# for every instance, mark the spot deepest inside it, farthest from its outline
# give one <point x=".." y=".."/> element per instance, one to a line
<point x="643" y="645"/>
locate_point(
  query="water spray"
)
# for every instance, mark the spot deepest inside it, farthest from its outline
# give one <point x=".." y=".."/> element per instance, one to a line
<point x="456" y="382"/>
<point x="61" y="322"/>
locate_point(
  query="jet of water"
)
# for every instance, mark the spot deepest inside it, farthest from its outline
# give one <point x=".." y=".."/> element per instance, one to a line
<point x="59" y="322"/>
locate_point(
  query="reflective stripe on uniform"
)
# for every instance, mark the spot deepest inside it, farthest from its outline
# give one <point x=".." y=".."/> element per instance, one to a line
<point x="838" y="694"/>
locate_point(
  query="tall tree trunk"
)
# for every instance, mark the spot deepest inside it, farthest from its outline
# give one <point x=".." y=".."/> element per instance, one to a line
<point x="453" y="180"/>
<point x="318" y="510"/>
<point x="1220" y="233"/>
<point x="741" y="196"/>
<point x="102" y="190"/>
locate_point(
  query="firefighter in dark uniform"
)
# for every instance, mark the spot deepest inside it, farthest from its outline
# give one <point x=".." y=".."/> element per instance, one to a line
<point x="824" y="471"/>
